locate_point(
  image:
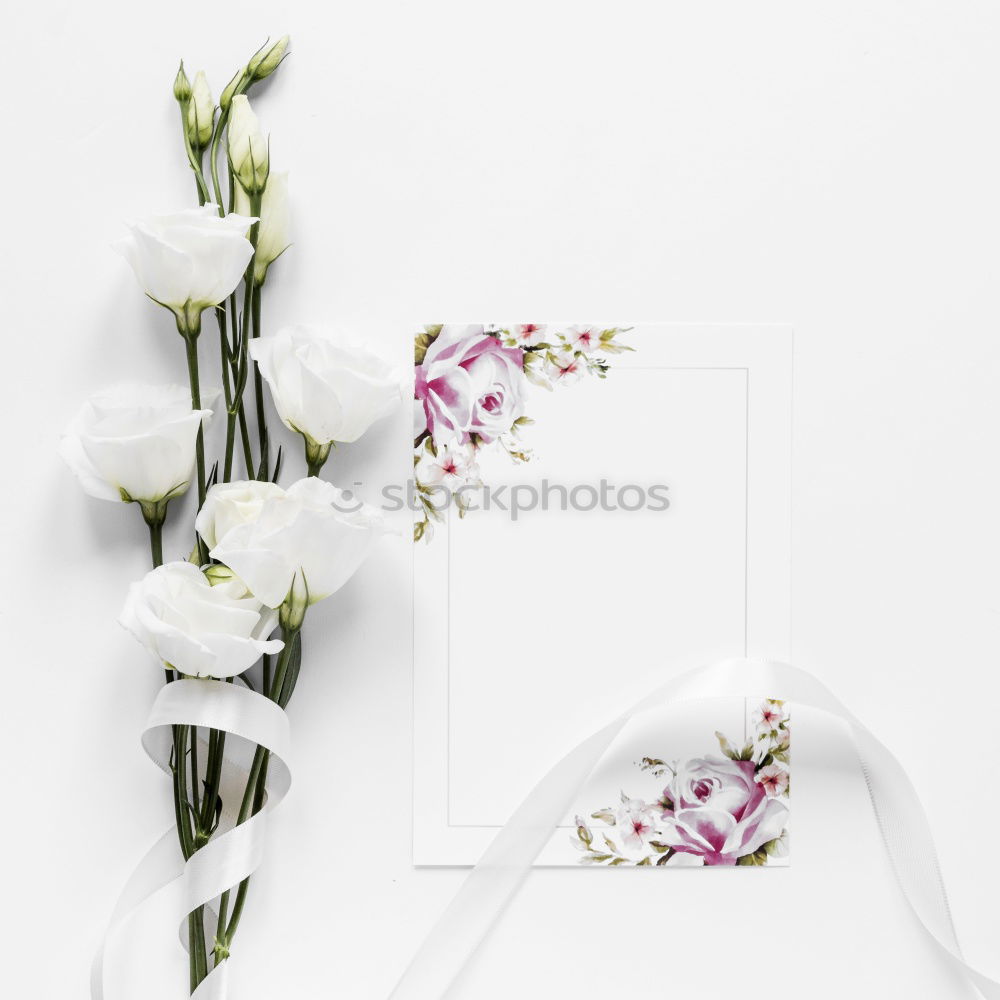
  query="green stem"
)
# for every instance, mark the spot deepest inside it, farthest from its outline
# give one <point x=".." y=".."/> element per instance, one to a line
<point x="225" y="365"/>
<point x="180" y="779"/>
<point x="156" y="543"/>
<point x="198" y="965"/>
<point x="253" y="795"/>
<point x="180" y="819"/>
<point x="258" y="385"/>
<point x="316" y="455"/>
<point x="245" y="441"/>
<point x="239" y="376"/>
<point x="195" y="781"/>
<point x="238" y="387"/>
<point x="220" y="126"/>
<point x="193" y="159"/>
<point x="214" y="159"/>
<point x="191" y="344"/>
<point x="192" y="831"/>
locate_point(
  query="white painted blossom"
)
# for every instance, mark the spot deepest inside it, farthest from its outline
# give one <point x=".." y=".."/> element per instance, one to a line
<point x="565" y="367"/>
<point x="453" y="467"/>
<point x="635" y="822"/>
<point x="527" y="334"/>
<point x="773" y="779"/>
<point x="583" y="338"/>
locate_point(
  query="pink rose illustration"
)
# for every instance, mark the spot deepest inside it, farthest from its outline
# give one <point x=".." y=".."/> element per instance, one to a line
<point x="720" y="812"/>
<point x="469" y="383"/>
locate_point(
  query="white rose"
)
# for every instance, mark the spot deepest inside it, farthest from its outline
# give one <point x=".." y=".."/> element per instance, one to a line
<point x="309" y="539"/>
<point x="203" y="631"/>
<point x="229" y="505"/>
<point x="189" y="260"/>
<point x="134" y="442"/>
<point x="326" y="385"/>
<point x="273" y="232"/>
<point x="248" y="153"/>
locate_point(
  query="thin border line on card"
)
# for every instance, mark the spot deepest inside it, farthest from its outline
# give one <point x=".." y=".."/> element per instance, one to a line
<point x="746" y="572"/>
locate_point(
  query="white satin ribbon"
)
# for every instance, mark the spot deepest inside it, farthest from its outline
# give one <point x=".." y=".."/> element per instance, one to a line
<point x="901" y="820"/>
<point x="142" y="955"/>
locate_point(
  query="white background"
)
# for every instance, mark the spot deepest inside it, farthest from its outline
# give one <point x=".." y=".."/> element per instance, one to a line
<point x="834" y="166"/>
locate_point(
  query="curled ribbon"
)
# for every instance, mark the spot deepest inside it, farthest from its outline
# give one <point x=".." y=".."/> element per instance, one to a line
<point x="136" y="959"/>
<point x="901" y="820"/>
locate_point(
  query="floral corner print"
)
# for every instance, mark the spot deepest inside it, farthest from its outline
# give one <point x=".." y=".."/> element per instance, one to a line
<point x="471" y="393"/>
<point x="728" y="810"/>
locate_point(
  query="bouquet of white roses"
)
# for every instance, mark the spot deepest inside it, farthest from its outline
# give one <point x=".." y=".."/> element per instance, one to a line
<point x="224" y="622"/>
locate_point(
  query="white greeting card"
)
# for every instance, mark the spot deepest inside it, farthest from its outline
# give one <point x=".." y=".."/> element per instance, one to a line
<point x="648" y="531"/>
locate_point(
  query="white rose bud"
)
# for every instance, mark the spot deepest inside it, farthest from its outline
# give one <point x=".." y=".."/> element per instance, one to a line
<point x="273" y="231"/>
<point x="326" y="385"/>
<point x="188" y="261"/>
<point x="298" y="545"/>
<point x="200" y="112"/>
<point x="267" y="59"/>
<point x="187" y="624"/>
<point x="248" y="152"/>
<point x="135" y="443"/>
<point x="226" y="97"/>
<point x="182" y="86"/>
<point x="217" y="575"/>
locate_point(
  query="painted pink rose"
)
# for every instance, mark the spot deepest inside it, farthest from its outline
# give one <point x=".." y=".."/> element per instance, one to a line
<point x="720" y="813"/>
<point x="469" y="383"/>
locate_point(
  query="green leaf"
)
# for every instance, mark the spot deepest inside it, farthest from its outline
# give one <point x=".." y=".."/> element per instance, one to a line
<point x="725" y="746"/>
<point x="424" y="340"/>
<point x="771" y="847"/>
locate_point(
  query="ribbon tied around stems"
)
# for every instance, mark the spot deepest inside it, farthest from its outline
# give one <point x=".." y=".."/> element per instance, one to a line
<point x="435" y="969"/>
<point x="143" y="953"/>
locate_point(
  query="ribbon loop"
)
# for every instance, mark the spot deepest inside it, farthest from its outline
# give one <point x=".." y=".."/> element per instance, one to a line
<point x="498" y="875"/>
<point x="137" y="958"/>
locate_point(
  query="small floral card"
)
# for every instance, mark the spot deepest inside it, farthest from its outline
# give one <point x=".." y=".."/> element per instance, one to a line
<point x="597" y="506"/>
